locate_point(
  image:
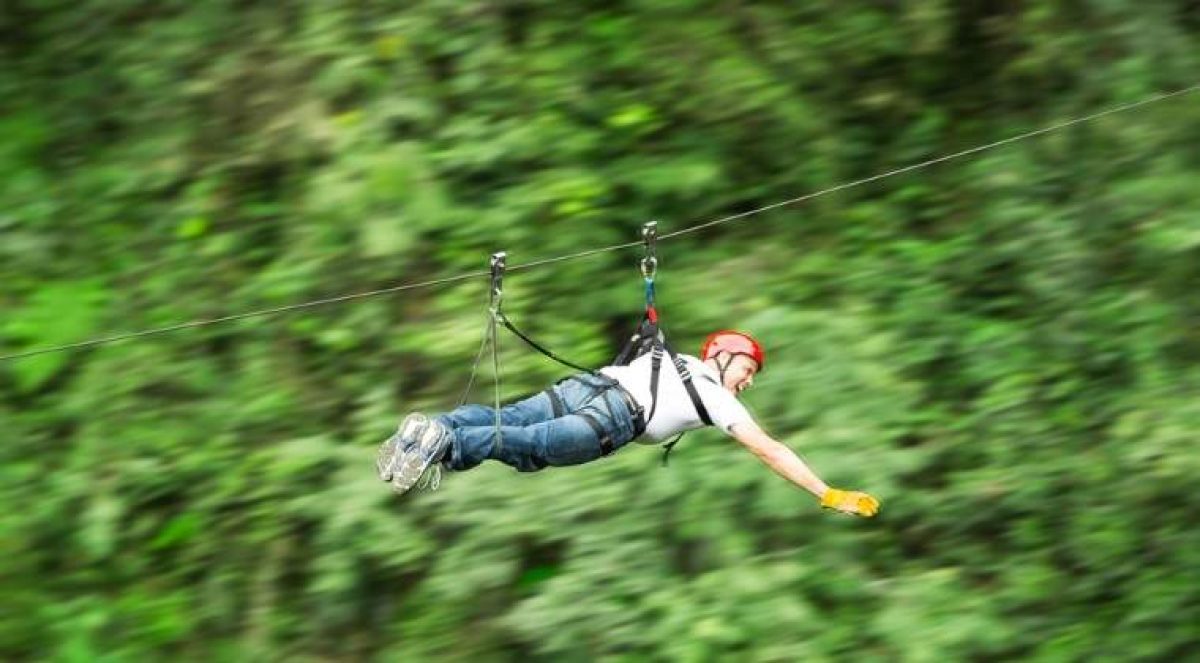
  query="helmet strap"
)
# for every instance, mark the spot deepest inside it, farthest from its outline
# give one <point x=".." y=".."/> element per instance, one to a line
<point x="722" y="367"/>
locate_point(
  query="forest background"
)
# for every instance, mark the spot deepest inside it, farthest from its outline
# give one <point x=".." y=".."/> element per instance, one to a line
<point x="1002" y="348"/>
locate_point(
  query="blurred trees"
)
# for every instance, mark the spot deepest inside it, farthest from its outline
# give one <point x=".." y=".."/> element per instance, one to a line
<point x="1002" y="348"/>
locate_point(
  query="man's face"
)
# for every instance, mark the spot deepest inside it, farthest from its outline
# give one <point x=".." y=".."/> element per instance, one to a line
<point x="739" y="374"/>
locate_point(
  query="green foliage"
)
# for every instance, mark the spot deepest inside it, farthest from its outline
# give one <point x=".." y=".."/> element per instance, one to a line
<point x="1003" y="347"/>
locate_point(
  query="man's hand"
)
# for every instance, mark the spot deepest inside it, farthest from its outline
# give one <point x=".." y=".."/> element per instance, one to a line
<point x="850" y="501"/>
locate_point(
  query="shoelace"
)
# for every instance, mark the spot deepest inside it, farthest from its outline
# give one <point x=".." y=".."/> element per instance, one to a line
<point x="432" y="478"/>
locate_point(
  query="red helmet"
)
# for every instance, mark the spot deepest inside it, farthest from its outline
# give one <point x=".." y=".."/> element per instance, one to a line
<point x="734" y="342"/>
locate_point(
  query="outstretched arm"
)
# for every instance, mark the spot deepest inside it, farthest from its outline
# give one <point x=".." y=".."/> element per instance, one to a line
<point x="788" y="465"/>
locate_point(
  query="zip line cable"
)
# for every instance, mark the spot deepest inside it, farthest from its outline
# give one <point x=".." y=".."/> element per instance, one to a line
<point x="241" y="316"/>
<point x="616" y="247"/>
<point x="937" y="160"/>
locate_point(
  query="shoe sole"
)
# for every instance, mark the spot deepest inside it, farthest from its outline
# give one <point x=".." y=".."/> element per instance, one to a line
<point x="391" y="452"/>
<point x="409" y="466"/>
<point x="385" y="458"/>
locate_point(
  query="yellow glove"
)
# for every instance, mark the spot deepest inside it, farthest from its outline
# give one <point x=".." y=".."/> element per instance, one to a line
<point x="850" y="501"/>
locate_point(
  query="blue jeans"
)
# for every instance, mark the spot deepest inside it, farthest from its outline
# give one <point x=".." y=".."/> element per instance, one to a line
<point x="532" y="437"/>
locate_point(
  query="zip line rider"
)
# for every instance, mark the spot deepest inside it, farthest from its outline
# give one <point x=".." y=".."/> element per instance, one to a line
<point x="593" y="414"/>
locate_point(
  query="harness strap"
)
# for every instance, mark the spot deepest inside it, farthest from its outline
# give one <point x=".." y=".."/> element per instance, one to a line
<point x="661" y="346"/>
<point x="536" y="346"/>
<point x="646" y="330"/>
<point x="556" y="404"/>
<point x="686" y="375"/>
<point x="671" y="445"/>
<point x="606" y="443"/>
<point x="655" y="372"/>
<point x="626" y="352"/>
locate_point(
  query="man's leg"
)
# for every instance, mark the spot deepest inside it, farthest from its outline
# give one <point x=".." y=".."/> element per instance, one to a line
<point x="393" y="453"/>
<point x="531" y="436"/>
<point x="531" y="410"/>
<point x="568" y="440"/>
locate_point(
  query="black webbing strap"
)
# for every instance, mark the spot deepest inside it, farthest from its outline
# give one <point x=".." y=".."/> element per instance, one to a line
<point x="537" y="346"/>
<point x="606" y="443"/>
<point x="659" y="348"/>
<point x="626" y="353"/>
<point x="671" y="445"/>
<point x="556" y="404"/>
<point x="686" y="375"/>
<point x="642" y="336"/>
<point x="655" y="372"/>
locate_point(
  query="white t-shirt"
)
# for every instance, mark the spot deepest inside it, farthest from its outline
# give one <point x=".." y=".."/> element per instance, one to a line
<point x="675" y="412"/>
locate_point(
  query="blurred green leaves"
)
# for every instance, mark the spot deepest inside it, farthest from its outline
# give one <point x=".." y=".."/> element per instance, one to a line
<point x="54" y="314"/>
<point x="1002" y="347"/>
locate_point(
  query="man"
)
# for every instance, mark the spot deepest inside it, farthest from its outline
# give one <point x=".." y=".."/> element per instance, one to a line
<point x="591" y="415"/>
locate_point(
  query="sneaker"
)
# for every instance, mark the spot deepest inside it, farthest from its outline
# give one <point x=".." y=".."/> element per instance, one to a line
<point x="424" y="443"/>
<point x="389" y="453"/>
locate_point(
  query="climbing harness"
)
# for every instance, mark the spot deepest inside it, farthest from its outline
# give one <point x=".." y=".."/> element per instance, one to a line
<point x="648" y="337"/>
<point x="498" y="318"/>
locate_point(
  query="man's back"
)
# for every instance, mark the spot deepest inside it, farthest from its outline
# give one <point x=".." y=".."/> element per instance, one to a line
<point x="674" y="412"/>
